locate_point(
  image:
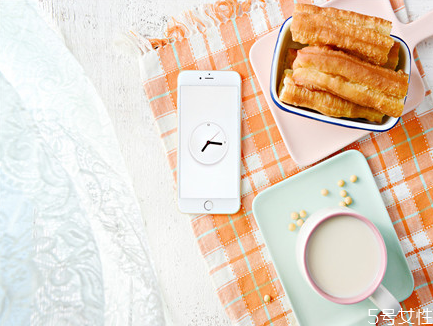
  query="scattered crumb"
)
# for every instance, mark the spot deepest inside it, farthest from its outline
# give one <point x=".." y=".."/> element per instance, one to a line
<point x="303" y="213"/>
<point x="353" y="178"/>
<point x="343" y="193"/>
<point x="300" y="222"/>
<point x="292" y="227"/>
<point x="324" y="192"/>
<point x="348" y="200"/>
<point x="294" y="215"/>
<point x="267" y="298"/>
<point x="340" y="183"/>
<point x="342" y="203"/>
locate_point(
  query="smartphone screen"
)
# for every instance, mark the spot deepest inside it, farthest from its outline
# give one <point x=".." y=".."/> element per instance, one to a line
<point x="209" y="142"/>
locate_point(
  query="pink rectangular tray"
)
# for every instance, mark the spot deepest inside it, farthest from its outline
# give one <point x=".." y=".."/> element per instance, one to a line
<point x="307" y="140"/>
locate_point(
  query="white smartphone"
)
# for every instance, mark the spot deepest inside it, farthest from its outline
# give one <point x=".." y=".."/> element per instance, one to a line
<point x="209" y="141"/>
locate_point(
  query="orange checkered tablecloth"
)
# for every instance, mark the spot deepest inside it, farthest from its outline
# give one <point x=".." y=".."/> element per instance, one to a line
<point x="219" y="36"/>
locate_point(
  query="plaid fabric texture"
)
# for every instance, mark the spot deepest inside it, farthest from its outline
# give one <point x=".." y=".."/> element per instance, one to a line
<point x="219" y="37"/>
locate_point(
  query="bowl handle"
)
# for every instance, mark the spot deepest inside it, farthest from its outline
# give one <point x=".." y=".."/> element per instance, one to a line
<point x="418" y="30"/>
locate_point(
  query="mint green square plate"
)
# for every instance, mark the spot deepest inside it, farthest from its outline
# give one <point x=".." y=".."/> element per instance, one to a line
<point x="272" y="209"/>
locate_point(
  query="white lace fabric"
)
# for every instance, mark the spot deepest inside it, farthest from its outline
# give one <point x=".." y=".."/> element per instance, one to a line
<point x="72" y="244"/>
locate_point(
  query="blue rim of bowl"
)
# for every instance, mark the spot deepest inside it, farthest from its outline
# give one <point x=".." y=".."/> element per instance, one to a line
<point x="318" y="119"/>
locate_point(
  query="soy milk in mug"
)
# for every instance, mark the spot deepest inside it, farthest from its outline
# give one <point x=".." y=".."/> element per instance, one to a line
<point x="343" y="256"/>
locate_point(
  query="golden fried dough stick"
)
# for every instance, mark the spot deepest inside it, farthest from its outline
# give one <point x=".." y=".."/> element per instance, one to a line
<point x="380" y="25"/>
<point x="323" y="102"/>
<point x="353" y="70"/>
<point x="393" y="57"/>
<point x="320" y="29"/>
<point x="316" y="80"/>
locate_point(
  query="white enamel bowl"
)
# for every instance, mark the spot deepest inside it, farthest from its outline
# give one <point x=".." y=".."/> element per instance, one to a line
<point x="285" y="42"/>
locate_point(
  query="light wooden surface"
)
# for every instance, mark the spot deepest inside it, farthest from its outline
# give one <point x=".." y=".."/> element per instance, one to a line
<point x="89" y="28"/>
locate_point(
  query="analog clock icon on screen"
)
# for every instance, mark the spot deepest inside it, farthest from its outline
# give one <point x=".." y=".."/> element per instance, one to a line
<point x="208" y="143"/>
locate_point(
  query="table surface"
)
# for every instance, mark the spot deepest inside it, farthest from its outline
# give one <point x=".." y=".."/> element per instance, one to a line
<point x="89" y="28"/>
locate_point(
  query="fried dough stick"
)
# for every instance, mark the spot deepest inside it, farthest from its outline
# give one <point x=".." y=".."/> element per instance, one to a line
<point x="323" y="102"/>
<point x="339" y="73"/>
<point x="363" y="36"/>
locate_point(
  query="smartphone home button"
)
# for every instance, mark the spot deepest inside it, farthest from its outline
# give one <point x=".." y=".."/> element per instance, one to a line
<point x="208" y="205"/>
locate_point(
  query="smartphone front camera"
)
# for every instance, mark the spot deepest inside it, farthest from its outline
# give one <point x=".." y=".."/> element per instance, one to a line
<point x="199" y="77"/>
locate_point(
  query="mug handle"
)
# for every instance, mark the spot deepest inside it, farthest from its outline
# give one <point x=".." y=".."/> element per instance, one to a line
<point x="385" y="301"/>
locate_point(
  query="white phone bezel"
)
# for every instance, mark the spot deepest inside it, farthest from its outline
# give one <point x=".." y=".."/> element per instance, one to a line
<point x="210" y="78"/>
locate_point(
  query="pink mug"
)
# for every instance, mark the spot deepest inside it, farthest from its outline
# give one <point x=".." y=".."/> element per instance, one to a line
<point x="331" y="269"/>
